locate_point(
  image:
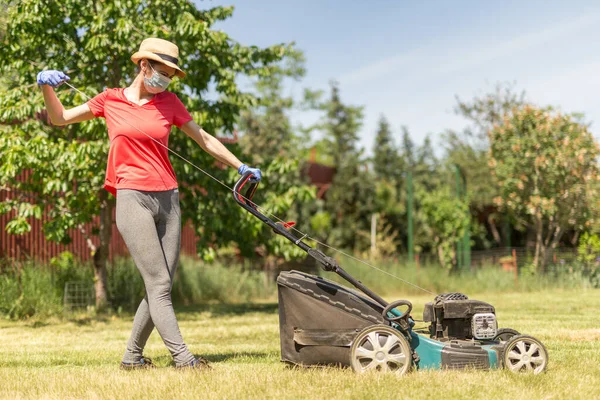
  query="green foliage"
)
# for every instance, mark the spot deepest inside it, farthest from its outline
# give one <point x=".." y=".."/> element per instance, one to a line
<point x="447" y="218"/>
<point x="67" y="269"/>
<point x="125" y="285"/>
<point x="386" y="238"/>
<point x="92" y="41"/>
<point x="28" y="292"/>
<point x="588" y="250"/>
<point x="546" y="165"/>
<point x="588" y="254"/>
<point x="387" y="164"/>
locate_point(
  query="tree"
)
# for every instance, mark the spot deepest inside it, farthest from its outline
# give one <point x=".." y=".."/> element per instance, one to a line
<point x="92" y="41"/>
<point x="349" y="200"/>
<point x="389" y="170"/>
<point x="408" y="149"/>
<point x="546" y="165"/>
<point x="488" y="110"/>
<point x="428" y="177"/>
<point x="469" y="149"/>
<point x="385" y="154"/>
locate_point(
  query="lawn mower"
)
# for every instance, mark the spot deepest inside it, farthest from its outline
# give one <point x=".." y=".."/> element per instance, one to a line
<point x="324" y="323"/>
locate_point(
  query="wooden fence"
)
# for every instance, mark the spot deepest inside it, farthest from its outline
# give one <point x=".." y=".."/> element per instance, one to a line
<point x="33" y="245"/>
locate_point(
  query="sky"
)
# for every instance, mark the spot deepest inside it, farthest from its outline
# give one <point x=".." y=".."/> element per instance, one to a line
<point x="409" y="60"/>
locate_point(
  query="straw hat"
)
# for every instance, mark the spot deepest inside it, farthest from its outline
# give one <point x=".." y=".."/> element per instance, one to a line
<point x="159" y="50"/>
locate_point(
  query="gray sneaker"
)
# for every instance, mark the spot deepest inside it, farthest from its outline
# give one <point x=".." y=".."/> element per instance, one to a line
<point x="198" y="363"/>
<point x="145" y="363"/>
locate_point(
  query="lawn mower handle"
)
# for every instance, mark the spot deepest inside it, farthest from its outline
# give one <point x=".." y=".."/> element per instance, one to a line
<point x="245" y="201"/>
<point x="328" y="263"/>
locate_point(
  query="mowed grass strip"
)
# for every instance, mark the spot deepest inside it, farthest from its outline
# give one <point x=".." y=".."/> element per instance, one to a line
<point x="79" y="358"/>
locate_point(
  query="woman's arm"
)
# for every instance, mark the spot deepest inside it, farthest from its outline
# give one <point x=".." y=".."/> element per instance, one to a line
<point x="210" y="144"/>
<point x="58" y="114"/>
<point x="50" y="79"/>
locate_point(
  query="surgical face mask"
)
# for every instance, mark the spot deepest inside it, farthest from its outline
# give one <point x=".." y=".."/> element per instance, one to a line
<point x="156" y="83"/>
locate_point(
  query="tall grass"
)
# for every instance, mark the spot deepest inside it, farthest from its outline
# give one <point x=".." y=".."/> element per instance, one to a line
<point x="38" y="290"/>
<point x="197" y="282"/>
<point x="29" y="292"/>
<point x="394" y="278"/>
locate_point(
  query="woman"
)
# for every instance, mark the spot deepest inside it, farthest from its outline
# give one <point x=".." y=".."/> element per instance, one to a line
<point x="139" y="119"/>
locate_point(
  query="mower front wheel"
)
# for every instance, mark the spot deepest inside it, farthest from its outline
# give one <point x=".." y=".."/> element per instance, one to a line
<point x="380" y="348"/>
<point x="524" y="353"/>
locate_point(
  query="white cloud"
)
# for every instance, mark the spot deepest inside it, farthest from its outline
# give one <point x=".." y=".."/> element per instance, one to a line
<point x="381" y="67"/>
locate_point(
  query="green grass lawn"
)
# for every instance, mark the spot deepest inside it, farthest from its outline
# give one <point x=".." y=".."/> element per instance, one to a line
<point x="79" y="358"/>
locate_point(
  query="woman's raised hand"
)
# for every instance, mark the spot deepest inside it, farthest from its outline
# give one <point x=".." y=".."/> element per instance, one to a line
<point x="52" y="77"/>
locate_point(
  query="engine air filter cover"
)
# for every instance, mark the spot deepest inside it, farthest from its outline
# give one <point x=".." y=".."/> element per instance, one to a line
<point x="484" y="326"/>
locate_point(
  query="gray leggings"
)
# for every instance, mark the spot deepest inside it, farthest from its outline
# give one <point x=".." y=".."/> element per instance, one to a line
<point x="150" y="224"/>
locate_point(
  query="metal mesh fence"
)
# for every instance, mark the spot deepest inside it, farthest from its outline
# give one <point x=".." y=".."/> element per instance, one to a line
<point x="78" y="295"/>
<point x="522" y="255"/>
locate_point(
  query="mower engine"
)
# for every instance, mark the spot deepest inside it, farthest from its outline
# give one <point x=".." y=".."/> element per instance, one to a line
<point x="454" y="317"/>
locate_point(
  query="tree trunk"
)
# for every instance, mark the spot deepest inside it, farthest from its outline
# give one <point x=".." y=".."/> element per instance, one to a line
<point x="440" y="252"/>
<point x="494" y="230"/>
<point x="558" y="234"/>
<point x="575" y="239"/>
<point x="101" y="255"/>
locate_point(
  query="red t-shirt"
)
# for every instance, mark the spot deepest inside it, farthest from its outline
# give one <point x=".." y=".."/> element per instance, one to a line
<point x="135" y="161"/>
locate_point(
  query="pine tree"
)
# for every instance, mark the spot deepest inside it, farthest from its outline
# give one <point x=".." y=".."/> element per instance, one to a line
<point x="385" y="155"/>
<point x="350" y="197"/>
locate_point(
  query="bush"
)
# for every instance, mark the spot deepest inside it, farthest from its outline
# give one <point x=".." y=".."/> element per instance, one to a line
<point x="589" y="259"/>
<point x="29" y="292"/>
<point x="125" y="285"/>
<point x="67" y="269"/>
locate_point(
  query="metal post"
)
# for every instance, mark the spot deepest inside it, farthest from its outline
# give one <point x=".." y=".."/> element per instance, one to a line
<point x="464" y="245"/>
<point x="507" y="233"/>
<point x="467" y="236"/>
<point x="373" y="233"/>
<point x="409" y="206"/>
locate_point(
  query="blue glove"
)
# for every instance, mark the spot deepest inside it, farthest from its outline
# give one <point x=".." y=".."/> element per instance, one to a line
<point x="52" y="77"/>
<point x="255" y="171"/>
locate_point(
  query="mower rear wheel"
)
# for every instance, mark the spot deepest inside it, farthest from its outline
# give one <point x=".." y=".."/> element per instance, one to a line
<point x="524" y="353"/>
<point x="380" y="348"/>
<point x="504" y="334"/>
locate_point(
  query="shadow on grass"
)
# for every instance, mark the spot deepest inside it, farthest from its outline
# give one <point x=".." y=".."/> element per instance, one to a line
<point x="220" y="310"/>
<point x="162" y="361"/>
<point x="82" y="320"/>
<point x="251" y="356"/>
